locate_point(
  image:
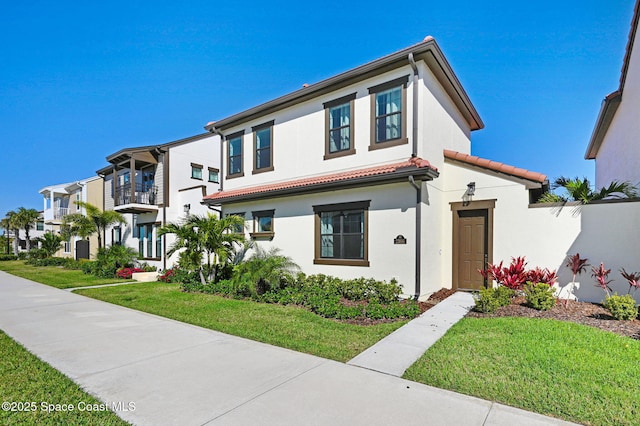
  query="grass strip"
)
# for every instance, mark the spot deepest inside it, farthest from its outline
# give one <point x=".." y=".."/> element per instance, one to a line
<point x="54" y="276"/>
<point x="31" y="388"/>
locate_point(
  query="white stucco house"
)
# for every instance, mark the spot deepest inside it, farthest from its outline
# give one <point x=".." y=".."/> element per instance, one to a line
<point x="370" y="173"/>
<point x="158" y="184"/>
<point x="60" y="200"/>
<point x="614" y="142"/>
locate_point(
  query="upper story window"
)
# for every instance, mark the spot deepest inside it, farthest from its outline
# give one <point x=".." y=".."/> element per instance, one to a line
<point x="196" y="171"/>
<point x="388" y="113"/>
<point x="39" y="226"/>
<point x="263" y="147"/>
<point x="341" y="234"/>
<point x="234" y="155"/>
<point x="214" y="175"/>
<point x="339" y="139"/>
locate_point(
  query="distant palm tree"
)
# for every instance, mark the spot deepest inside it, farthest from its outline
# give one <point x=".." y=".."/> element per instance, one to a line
<point x="205" y="237"/>
<point x="5" y="223"/>
<point x="26" y="218"/>
<point x="95" y="221"/>
<point x="580" y="190"/>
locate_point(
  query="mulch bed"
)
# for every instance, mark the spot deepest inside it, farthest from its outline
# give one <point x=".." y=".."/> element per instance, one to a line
<point x="591" y="314"/>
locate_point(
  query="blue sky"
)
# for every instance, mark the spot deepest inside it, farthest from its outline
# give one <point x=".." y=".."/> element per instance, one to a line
<point x="81" y="80"/>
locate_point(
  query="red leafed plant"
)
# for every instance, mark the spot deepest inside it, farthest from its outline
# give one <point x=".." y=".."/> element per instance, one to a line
<point x="168" y="276"/>
<point x="576" y="264"/>
<point x="513" y="276"/>
<point x="539" y="275"/>
<point x="601" y="274"/>
<point x="127" y="273"/>
<point x="632" y="278"/>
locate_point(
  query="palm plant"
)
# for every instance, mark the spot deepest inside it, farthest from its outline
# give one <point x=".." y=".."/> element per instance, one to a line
<point x="50" y="243"/>
<point x="264" y="270"/>
<point x="13" y="225"/>
<point x="580" y="190"/>
<point x="25" y="219"/>
<point x="205" y="238"/>
<point x="5" y="223"/>
<point x="95" y="221"/>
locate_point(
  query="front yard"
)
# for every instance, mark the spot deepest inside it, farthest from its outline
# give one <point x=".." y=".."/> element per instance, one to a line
<point x="286" y="326"/>
<point x="556" y="368"/>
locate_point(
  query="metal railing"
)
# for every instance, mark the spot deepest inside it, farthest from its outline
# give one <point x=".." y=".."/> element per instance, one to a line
<point x="60" y="212"/>
<point x="143" y="194"/>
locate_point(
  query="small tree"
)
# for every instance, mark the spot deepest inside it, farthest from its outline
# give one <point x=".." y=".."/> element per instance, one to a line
<point x="580" y="190"/>
<point x="205" y="238"/>
<point x="50" y="243"/>
<point x="13" y="224"/>
<point x="95" y="221"/>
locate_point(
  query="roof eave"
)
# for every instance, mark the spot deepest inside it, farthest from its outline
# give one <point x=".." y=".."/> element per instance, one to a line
<point x="424" y="172"/>
<point x="608" y="110"/>
<point x="427" y="50"/>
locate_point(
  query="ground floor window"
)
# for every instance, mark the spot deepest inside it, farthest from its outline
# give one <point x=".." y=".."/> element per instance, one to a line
<point x="67" y="246"/>
<point x="149" y="242"/>
<point x="263" y="224"/>
<point x="341" y="234"/>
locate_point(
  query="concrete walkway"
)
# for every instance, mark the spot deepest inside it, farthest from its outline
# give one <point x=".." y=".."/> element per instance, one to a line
<point x="175" y="373"/>
<point x="399" y="350"/>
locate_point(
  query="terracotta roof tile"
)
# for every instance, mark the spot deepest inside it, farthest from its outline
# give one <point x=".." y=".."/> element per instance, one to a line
<point x="417" y="163"/>
<point x="495" y="166"/>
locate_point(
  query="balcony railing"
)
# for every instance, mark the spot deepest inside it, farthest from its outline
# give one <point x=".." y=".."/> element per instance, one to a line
<point x="143" y="194"/>
<point x="60" y="212"/>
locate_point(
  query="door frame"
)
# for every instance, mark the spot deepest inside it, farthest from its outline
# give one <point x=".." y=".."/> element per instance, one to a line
<point x="489" y="206"/>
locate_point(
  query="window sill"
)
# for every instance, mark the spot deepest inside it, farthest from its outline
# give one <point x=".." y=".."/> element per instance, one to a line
<point x="264" y="169"/>
<point x="341" y="262"/>
<point x="151" y="258"/>
<point x="237" y="175"/>
<point x="339" y="154"/>
<point x="262" y="235"/>
<point x="195" y="178"/>
<point x="387" y="144"/>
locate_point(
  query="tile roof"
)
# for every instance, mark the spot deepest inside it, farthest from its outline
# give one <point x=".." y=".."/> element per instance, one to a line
<point x="342" y="178"/>
<point x="495" y="166"/>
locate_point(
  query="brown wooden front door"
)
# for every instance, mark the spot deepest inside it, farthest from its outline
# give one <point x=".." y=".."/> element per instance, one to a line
<point x="472" y="248"/>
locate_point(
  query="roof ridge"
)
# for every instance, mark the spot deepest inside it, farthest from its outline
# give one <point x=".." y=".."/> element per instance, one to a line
<point x="495" y="166"/>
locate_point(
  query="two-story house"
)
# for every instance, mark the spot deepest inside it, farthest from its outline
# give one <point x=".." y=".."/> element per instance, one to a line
<point x="369" y="173"/>
<point x="60" y="200"/>
<point x="614" y="141"/>
<point x="159" y="184"/>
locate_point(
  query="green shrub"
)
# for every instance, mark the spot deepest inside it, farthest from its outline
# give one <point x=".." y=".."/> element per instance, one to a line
<point x="5" y="257"/>
<point x="621" y="307"/>
<point x="540" y="296"/>
<point x="488" y="300"/>
<point x="22" y="255"/>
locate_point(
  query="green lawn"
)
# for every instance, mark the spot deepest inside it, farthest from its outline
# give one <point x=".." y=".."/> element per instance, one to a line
<point x="560" y="369"/>
<point x="27" y="381"/>
<point x="53" y="275"/>
<point x="286" y="326"/>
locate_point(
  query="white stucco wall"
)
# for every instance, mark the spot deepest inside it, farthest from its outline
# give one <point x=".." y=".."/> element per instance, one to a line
<point x="619" y="154"/>
<point x="391" y="213"/>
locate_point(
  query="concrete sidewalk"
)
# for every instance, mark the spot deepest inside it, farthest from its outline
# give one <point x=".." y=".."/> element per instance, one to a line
<point x="399" y="350"/>
<point x="176" y="373"/>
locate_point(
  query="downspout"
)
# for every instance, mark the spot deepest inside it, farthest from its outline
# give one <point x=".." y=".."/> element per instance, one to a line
<point x="418" y="233"/>
<point x="215" y="131"/>
<point x="414" y="135"/>
<point x="414" y="153"/>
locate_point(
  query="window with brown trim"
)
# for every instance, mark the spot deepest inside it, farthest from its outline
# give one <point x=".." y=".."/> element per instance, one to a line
<point x="341" y="234"/>
<point x="389" y="113"/>
<point x="214" y="175"/>
<point x="235" y="157"/>
<point x="240" y="228"/>
<point x="263" y="224"/>
<point x="263" y="147"/>
<point x="339" y="129"/>
<point x="196" y="171"/>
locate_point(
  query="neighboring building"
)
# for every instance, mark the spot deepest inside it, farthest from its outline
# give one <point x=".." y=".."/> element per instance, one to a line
<point x="60" y="200"/>
<point x="368" y="173"/>
<point x="159" y="184"/>
<point x="614" y="141"/>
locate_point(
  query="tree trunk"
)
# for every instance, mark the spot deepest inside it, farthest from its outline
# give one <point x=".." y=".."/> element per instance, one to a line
<point x="26" y="233"/>
<point x="16" y="241"/>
